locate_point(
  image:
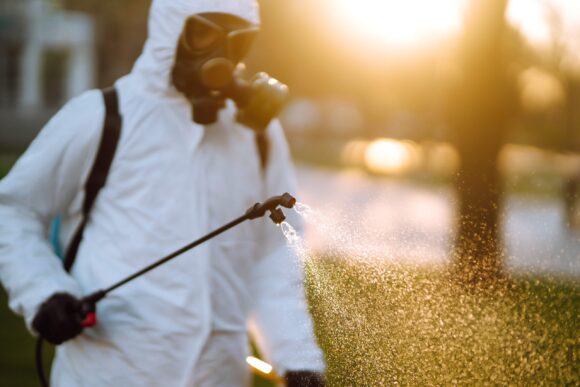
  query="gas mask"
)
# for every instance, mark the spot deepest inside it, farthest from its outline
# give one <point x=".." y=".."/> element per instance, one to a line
<point x="208" y="71"/>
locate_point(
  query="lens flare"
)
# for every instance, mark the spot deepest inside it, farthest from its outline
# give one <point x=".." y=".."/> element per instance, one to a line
<point x="389" y="156"/>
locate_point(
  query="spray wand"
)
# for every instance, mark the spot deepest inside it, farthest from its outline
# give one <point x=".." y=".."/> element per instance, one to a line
<point x="258" y="210"/>
<point x="88" y="303"/>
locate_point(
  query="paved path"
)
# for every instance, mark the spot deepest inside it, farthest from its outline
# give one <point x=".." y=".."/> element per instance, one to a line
<point x="379" y="217"/>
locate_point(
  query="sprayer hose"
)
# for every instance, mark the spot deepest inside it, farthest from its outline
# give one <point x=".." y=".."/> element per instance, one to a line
<point x="39" y="362"/>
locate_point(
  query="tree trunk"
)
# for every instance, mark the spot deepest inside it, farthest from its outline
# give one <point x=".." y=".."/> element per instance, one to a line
<point x="571" y="143"/>
<point x="478" y="245"/>
<point x="482" y="105"/>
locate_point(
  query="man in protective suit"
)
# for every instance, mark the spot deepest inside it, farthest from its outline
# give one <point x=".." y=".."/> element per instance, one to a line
<point x="171" y="180"/>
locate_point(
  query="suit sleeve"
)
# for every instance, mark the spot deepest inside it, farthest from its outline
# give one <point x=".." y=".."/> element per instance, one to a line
<point x="42" y="184"/>
<point x="281" y="323"/>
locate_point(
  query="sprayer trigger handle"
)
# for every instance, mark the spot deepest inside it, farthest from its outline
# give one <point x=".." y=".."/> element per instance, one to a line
<point x="89" y="308"/>
<point x="90" y="320"/>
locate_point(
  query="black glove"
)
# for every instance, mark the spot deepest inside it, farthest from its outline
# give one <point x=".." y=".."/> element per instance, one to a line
<point x="59" y="318"/>
<point x="263" y="104"/>
<point x="304" y="379"/>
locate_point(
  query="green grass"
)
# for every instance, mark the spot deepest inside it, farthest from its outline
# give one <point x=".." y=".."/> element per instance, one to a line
<point x="17" y="349"/>
<point x="381" y="324"/>
<point x="6" y="162"/>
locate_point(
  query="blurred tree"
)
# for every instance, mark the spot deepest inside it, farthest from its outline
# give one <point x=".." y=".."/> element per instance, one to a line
<point x="483" y="101"/>
<point x="567" y="69"/>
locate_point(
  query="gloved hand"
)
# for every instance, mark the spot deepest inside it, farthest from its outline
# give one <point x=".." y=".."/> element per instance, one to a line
<point x="304" y="379"/>
<point x="263" y="104"/>
<point x="59" y="318"/>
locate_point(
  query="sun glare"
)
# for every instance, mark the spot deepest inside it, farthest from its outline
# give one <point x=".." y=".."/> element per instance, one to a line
<point x="406" y="24"/>
<point x="530" y="18"/>
<point x="542" y="22"/>
<point x="398" y="23"/>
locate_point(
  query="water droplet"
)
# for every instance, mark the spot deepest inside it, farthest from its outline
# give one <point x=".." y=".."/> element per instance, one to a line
<point x="303" y="210"/>
<point x="289" y="232"/>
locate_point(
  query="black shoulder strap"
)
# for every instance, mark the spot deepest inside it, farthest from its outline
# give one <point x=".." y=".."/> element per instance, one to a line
<point x="100" y="171"/>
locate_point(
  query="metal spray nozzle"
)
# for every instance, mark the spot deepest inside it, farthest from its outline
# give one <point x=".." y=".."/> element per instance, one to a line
<point x="259" y="209"/>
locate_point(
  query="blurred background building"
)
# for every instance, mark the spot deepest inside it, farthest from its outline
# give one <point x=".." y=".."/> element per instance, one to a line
<point x="46" y="57"/>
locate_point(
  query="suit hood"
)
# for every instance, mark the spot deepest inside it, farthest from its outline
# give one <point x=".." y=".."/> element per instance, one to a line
<point x="152" y="71"/>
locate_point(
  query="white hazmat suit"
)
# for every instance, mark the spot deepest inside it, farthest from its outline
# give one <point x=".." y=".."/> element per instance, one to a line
<point x="171" y="181"/>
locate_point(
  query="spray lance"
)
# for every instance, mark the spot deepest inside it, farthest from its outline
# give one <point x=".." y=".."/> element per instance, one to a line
<point x="258" y="210"/>
<point x="88" y="303"/>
